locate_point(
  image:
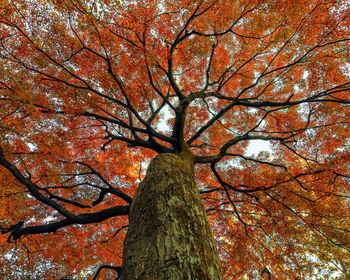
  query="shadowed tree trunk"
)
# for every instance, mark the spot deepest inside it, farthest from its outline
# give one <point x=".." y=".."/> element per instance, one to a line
<point x="169" y="234"/>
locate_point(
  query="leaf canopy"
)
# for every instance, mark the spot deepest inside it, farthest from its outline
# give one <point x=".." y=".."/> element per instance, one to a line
<point x="91" y="91"/>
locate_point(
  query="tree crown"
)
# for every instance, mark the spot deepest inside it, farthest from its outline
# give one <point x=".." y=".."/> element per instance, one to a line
<point x="90" y="91"/>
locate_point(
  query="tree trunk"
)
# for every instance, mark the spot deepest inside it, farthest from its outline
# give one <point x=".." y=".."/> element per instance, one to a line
<point x="169" y="236"/>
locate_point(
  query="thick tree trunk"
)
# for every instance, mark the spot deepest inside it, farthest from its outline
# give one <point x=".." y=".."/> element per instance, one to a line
<point x="169" y="236"/>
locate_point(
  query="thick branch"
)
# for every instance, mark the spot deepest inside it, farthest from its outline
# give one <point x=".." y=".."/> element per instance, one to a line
<point x="17" y="230"/>
<point x="116" y="268"/>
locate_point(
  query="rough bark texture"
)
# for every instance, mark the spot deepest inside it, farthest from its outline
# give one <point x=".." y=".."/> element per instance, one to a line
<point x="169" y="236"/>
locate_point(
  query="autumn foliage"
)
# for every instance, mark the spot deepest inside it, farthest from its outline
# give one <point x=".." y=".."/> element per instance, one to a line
<point x="91" y="91"/>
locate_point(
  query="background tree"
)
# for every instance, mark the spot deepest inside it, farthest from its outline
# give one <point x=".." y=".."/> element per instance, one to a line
<point x="91" y="91"/>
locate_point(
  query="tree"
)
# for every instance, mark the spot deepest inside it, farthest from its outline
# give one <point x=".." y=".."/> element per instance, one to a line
<point x="92" y="91"/>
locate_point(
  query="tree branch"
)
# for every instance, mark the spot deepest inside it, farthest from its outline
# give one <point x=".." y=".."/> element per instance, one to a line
<point x="118" y="269"/>
<point x="91" y="218"/>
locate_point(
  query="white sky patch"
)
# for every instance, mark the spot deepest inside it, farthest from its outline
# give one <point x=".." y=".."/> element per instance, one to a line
<point x="303" y="110"/>
<point x="229" y="164"/>
<point x="8" y="255"/>
<point x="164" y="116"/>
<point x="32" y="147"/>
<point x="49" y="219"/>
<point x="346" y="69"/>
<point x="305" y="75"/>
<point x="297" y="89"/>
<point x="257" y="146"/>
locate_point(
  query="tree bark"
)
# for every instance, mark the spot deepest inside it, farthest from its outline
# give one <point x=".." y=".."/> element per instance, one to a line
<point x="169" y="236"/>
